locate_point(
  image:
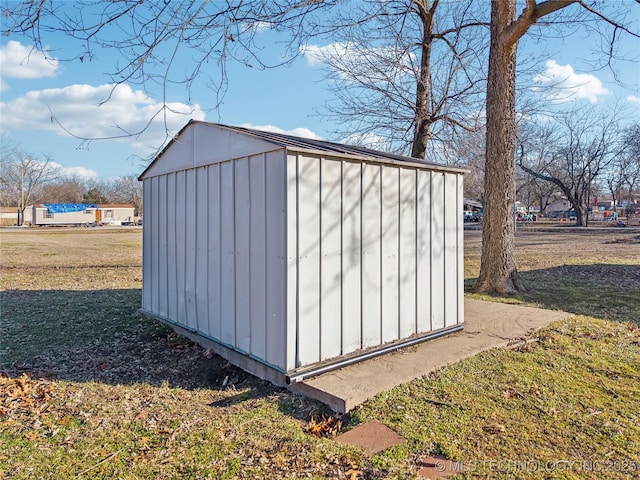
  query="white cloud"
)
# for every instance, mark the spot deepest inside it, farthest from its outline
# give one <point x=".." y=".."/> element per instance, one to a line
<point x="367" y="140"/>
<point x="261" y="26"/>
<point x="560" y="83"/>
<point x="354" y="62"/>
<point x="297" y="132"/>
<point x="79" y="172"/>
<point x="99" y="112"/>
<point x="317" y="55"/>
<point x="19" y="61"/>
<point x="633" y="99"/>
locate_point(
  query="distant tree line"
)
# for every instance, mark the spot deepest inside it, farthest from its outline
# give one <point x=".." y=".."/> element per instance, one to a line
<point x="28" y="179"/>
<point x="582" y="156"/>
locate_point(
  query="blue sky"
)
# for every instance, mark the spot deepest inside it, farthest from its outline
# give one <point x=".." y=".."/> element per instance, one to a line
<point x="36" y="93"/>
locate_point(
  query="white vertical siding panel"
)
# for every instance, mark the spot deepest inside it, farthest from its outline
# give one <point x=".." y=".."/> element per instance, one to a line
<point x="257" y="257"/>
<point x="227" y="255"/>
<point x="371" y="255"/>
<point x="460" y="250"/>
<point x="190" y="233"/>
<point x="451" y="215"/>
<point x="172" y="259"/>
<point x="390" y="232"/>
<point x="351" y="256"/>
<point x="147" y="240"/>
<point x="276" y="260"/>
<point x="407" y="252"/>
<point x="161" y="205"/>
<point x="181" y="245"/>
<point x="297" y="259"/>
<point x="437" y="251"/>
<point x="309" y="259"/>
<point x="292" y="262"/>
<point x="155" y="247"/>
<point x="331" y="278"/>
<point x="423" y="229"/>
<point x="214" y="252"/>
<point x="202" y="248"/>
<point x="242" y="241"/>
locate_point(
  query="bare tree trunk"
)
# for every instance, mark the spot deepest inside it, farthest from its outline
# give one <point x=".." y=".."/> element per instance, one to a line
<point x="578" y="209"/>
<point x="498" y="272"/>
<point x="422" y="120"/>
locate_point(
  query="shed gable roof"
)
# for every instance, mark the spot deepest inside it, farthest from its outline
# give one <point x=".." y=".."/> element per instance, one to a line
<point x="294" y="143"/>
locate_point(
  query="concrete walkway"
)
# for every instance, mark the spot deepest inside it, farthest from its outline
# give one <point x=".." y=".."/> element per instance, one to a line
<point x="487" y="325"/>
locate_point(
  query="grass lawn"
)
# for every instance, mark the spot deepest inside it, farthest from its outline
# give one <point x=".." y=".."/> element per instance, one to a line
<point x="90" y="389"/>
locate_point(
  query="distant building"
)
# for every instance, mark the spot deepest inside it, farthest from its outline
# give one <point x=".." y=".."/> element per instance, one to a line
<point x="8" y="216"/>
<point x="561" y="205"/>
<point x="472" y="205"/>
<point x="78" y="214"/>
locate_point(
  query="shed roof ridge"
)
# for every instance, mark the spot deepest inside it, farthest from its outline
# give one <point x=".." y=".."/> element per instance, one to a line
<point x="302" y="144"/>
<point x="287" y="140"/>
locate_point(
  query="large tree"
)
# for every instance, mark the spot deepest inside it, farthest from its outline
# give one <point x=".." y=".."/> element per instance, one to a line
<point x="571" y="152"/>
<point x="153" y="39"/>
<point x="405" y="73"/>
<point x="498" y="270"/>
<point x="623" y="175"/>
<point x="404" y="70"/>
<point x="536" y="194"/>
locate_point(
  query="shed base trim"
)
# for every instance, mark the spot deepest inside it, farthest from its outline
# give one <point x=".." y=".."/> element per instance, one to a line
<point x="314" y="370"/>
<point x="280" y="378"/>
<point x="245" y="362"/>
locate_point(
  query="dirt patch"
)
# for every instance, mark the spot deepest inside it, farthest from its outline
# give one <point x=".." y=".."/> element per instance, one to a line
<point x="624" y="240"/>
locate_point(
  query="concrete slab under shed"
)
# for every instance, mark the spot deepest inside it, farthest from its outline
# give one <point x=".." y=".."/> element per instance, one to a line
<point x="487" y="325"/>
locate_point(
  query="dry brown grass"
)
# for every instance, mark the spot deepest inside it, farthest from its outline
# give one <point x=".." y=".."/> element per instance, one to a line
<point x="127" y="397"/>
<point x="110" y="394"/>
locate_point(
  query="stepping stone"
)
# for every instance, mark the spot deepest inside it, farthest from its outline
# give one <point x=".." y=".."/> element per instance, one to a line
<point x="372" y="437"/>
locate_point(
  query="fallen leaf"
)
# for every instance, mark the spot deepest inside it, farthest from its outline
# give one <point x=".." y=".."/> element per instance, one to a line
<point x="354" y="473"/>
<point x="512" y="394"/>
<point x="495" y="428"/>
<point x="534" y="389"/>
<point x="326" y="427"/>
<point x="141" y="414"/>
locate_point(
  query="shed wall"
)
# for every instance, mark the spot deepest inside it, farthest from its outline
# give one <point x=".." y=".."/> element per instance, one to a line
<point x="215" y="248"/>
<point x="300" y="258"/>
<point x="201" y="145"/>
<point x="374" y="255"/>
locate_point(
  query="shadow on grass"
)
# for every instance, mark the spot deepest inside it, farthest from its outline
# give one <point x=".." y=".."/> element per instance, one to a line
<point x="606" y="291"/>
<point x="98" y="336"/>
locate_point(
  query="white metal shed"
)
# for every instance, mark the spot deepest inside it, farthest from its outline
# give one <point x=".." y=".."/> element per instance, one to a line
<point x="290" y="256"/>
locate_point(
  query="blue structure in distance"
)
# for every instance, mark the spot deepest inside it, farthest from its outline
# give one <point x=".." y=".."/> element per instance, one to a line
<point x="68" y="207"/>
